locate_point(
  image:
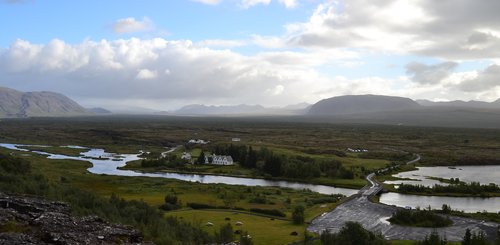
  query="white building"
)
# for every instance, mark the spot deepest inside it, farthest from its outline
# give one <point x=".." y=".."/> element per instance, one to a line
<point x="197" y="141"/>
<point x="219" y="160"/>
<point x="235" y="139"/>
<point x="186" y="156"/>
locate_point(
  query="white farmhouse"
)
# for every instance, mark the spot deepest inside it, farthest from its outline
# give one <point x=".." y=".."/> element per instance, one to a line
<point x="219" y="160"/>
<point x="186" y="156"/>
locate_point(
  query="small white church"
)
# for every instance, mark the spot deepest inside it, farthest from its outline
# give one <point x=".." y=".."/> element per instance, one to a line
<point x="219" y="160"/>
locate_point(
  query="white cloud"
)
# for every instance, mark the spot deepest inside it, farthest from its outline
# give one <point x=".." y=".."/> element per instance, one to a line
<point x="175" y="71"/>
<point x="269" y="42"/>
<point x="221" y="43"/>
<point x="145" y="74"/>
<point x="454" y="30"/>
<point x="178" y="72"/>
<point x="209" y="2"/>
<point x="131" y="25"/>
<point x="276" y="90"/>
<point x="289" y="3"/>
<point x="251" y="3"/>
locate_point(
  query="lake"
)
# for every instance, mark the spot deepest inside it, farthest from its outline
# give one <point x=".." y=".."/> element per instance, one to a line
<point x="466" y="204"/>
<point x="481" y="174"/>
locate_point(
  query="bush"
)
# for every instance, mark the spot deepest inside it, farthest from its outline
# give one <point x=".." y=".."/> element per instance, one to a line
<point x="273" y="212"/>
<point x="352" y="233"/>
<point x="298" y="215"/>
<point x="419" y="218"/>
<point x="195" y="205"/>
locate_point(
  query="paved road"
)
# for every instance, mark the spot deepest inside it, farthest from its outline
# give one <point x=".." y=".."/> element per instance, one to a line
<point x="373" y="216"/>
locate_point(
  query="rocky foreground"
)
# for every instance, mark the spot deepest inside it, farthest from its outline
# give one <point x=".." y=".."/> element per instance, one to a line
<point x="32" y="220"/>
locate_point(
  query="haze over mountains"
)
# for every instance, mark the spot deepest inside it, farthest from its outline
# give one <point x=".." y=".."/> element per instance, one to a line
<point x="377" y="109"/>
<point x="242" y="110"/>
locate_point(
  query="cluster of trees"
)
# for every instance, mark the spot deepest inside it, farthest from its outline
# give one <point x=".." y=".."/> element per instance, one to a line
<point x="278" y="165"/>
<point x="352" y="233"/>
<point x="226" y="235"/>
<point x="171" y="203"/>
<point x="419" y="218"/>
<point x="470" y="238"/>
<point x="16" y="177"/>
<point x="298" y="215"/>
<point x="456" y="187"/>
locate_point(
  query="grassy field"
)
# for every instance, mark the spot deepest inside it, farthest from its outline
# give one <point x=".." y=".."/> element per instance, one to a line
<point x="260" y="228"/>
<point x="153" y="191"/>
<point x="316" y="140"/>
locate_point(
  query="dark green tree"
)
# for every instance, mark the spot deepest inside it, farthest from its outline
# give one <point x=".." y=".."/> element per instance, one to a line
<point x="171" y="199"/>
<point x="225" y="234"/>
<point x="497" y="240"/>
<point x="298" y="215"/>
<point x="467" y="237"/>
<point x="352" y="233"/>
<point x="201" y="158"/>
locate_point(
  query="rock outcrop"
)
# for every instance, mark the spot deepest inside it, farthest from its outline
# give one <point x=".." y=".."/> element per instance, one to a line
<point x="32" y="220"/>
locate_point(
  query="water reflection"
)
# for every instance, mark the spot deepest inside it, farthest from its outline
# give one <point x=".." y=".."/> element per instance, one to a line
<point x="466" y="204"/>
<point x="108" y="163"/>
<point x="481" y="174"/>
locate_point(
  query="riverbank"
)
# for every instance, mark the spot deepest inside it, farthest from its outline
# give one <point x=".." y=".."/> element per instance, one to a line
<point x="342" y="183"/>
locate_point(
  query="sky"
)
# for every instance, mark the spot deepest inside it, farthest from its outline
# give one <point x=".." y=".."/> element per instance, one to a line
<point x="161" y="55"/>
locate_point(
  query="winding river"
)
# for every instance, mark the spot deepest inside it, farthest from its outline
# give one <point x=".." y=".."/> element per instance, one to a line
<point x="108" y="163"/>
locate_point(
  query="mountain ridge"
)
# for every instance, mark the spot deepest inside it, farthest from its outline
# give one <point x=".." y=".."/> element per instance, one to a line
<point x="14" y="103"/>
<point x="368" y="103"/>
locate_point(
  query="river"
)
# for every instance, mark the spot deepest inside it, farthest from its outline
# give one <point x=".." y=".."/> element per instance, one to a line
<point x="481" y="174"/>
<point x="108" y="163"/>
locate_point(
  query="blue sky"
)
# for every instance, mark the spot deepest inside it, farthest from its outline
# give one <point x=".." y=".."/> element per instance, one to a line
<point x="165" y="54"/>
<point x="75" y="21"/>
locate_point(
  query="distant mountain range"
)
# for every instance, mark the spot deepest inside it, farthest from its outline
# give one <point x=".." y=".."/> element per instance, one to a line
<point x="463" y="104"/>
<point x="403" y="111"/>
<point x="376" y="109"/>
<point x="14" y="103"/>
<point x="241" y="110"/>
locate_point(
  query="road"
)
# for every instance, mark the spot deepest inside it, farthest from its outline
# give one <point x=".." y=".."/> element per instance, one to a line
<point x="373" y="216"/>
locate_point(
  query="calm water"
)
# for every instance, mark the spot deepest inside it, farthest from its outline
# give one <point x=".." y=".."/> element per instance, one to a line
<point x="482" y="174"/>
<point x="467" y="204"/>
<point x="109" y="163"/>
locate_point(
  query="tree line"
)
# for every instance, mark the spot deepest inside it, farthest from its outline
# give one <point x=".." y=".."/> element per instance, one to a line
<point x="280" y="165"/>
<point x="353" y="233"/>
<point x="455" y="187"/>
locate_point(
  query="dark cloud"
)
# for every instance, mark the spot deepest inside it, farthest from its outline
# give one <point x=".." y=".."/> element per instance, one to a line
<point x="485" y="80"/>
<point x="429" y="74"/>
